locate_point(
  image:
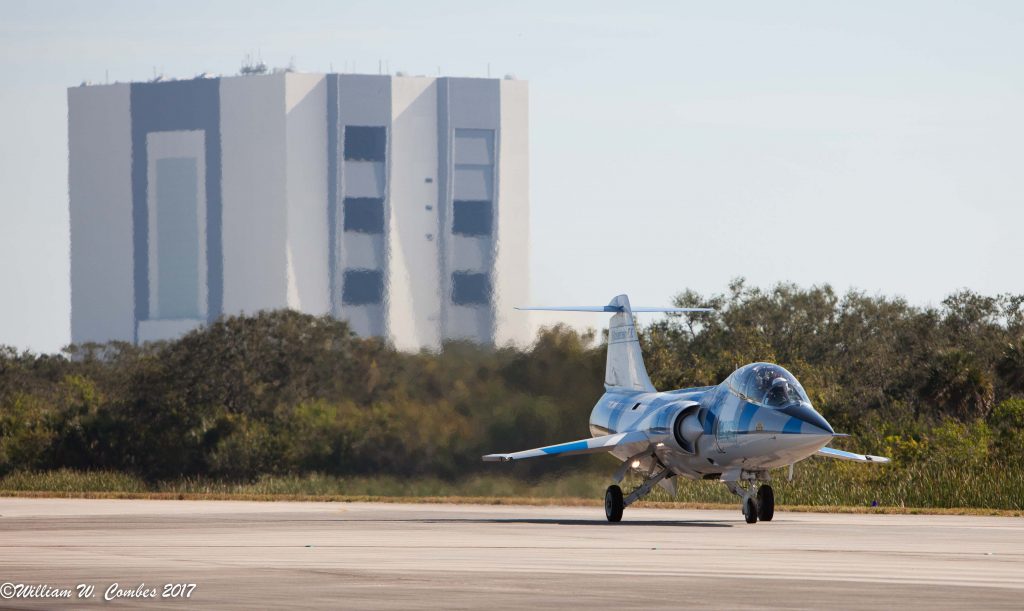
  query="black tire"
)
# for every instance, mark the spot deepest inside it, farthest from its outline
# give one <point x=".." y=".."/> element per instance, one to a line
<point x="613" y="503"/>
<point x="765" y="503"/>
<point x="750" y="510"/>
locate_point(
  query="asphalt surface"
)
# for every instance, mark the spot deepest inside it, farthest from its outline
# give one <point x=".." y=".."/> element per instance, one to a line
<point x="386" y="556"/>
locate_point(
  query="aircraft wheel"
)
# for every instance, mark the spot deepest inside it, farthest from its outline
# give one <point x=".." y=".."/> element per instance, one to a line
<point x="765" y="503"/>
<point x="613" y="503"/>
<point x="750" y="510"/>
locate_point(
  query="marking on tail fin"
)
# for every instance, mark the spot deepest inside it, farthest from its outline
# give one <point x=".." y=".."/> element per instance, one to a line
<point x="624" y="333"/>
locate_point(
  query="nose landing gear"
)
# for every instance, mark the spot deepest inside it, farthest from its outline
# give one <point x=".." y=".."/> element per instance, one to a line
<point x="758" y="504"/>
<point x="750" y="511"/>
<point x="765" y="503"/>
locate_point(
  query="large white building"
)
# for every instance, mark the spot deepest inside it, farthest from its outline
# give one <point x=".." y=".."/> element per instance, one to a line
<point x="397" y="203"/>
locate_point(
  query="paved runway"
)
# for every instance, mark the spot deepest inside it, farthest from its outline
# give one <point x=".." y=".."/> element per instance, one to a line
<point x="385" y="556"/>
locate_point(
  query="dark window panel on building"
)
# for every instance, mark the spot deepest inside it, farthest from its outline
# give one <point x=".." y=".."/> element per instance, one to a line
<point x="365" y="143"/>
<point x="362" y="287"/>
<point x="364" y="214"/>
<point x="470" y="288"/>
<point x="472" y="217"/>
<point x="474" y="147"/>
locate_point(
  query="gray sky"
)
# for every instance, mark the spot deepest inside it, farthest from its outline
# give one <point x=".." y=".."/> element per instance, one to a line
<point x="878" y="145"/>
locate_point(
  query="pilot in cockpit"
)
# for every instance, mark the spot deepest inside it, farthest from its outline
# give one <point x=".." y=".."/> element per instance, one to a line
<point x="778" y="393"/>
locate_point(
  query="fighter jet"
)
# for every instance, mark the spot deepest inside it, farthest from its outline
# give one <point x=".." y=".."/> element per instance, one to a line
<point x="758" y="419"/>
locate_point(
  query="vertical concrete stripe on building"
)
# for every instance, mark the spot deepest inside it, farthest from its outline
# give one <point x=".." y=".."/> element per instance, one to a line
<point x="444" y="198"/>
<point x="100" y="213"/>
<point x="332" y="192"/>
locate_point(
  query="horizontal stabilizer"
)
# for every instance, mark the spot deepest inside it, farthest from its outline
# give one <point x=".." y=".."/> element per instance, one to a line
<point x="841" y="455"/>
<point x="611" y="308"/>
<point x="594" y="445"/>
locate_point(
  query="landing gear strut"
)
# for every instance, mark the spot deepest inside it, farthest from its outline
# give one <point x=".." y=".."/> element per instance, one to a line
<point x="614" y="503"/>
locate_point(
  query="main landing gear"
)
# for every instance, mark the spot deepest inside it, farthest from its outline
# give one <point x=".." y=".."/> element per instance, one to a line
<point x="757" y="505"/>
<point x="614" y="502"/>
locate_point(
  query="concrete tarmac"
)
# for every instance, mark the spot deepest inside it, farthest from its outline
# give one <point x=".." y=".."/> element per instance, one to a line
<point x="389" y="556"/>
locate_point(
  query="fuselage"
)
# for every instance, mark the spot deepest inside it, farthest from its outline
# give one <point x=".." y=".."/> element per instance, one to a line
<point x="759" y="418"/>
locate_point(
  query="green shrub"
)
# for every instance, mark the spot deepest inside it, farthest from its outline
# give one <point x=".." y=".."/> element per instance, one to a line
<point x="283" y="399"/>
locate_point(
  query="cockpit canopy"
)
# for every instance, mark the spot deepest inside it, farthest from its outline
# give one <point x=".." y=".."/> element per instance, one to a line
<point x="767" y="384"/>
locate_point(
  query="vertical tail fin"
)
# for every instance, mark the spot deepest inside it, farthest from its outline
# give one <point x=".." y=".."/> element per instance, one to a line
<point x="625" y="368"/>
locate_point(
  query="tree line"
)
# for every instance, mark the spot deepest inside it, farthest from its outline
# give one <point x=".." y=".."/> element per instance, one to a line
<point x="287" y="393"/>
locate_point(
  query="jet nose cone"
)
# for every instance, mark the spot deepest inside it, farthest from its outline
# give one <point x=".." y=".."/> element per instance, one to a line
<point x="805" y="432"/>
<point x="807" y="421"/>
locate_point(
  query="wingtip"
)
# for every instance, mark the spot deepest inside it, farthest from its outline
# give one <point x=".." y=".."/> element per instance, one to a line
<point x="497" y="458"/>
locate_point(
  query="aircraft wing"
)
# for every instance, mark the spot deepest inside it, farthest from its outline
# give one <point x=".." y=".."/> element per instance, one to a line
<point x="594" y="445"/>
<point x="841" y="455"/>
